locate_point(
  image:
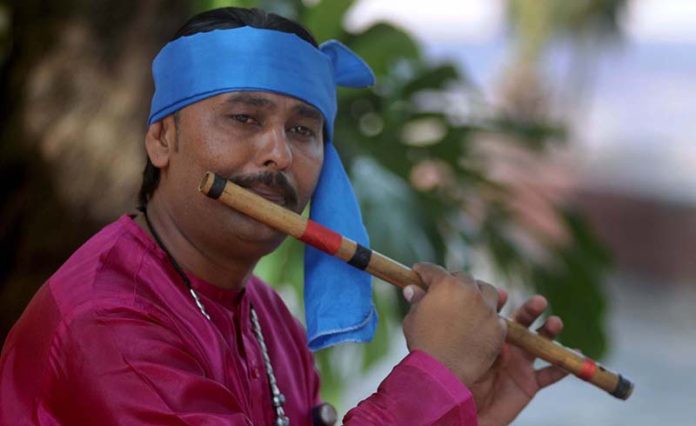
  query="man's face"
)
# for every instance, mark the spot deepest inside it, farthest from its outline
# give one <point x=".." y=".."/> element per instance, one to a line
<point x="269" y="143"/>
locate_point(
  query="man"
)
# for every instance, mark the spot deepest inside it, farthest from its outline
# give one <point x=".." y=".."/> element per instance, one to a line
<point x="158" y="320"/>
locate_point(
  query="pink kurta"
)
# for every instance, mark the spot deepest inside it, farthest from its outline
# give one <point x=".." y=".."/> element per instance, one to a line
<point x="114" y="337"/>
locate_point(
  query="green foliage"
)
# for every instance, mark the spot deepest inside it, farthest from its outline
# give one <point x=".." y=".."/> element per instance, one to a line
<point x="386" y="135"/>
<point x="393" y="213"/>
<point x="202" y="5"/>
<point x="282" y="268"/>
<point x="565" y="284"/>
<point x="322" y="19"/>
<point x="570" y="277"/>
<point x="383" y="46"/>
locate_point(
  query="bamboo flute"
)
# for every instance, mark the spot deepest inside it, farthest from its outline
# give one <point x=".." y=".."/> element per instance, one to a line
<point x="395" y="273"/>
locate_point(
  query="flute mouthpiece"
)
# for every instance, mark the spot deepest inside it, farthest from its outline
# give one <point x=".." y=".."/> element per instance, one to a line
<point x="212" y="185"/>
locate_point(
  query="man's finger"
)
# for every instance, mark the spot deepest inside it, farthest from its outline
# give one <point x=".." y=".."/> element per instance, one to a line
<point x="502" y="294"/>
<point x="430" y="273"/>
<point x="490" y="294"/>
<point x="413" y="294"/>
<point x="502" y="298"/>
<point x="552" y="327"/>
<point x="530" y="311"/>
<point x="549" y="375"/>
<point x="463" y="276"/>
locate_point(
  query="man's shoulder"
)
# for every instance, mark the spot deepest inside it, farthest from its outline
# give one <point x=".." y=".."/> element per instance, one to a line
<point x="96" y="280"/>
<point x="105" y="267"/>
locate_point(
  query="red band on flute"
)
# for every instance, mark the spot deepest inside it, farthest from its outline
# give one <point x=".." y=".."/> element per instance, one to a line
<point x="321" y="237"/>
<point x="588" y="369"/>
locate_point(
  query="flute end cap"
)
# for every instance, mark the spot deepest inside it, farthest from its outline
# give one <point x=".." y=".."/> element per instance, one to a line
<point x="212" y="185"/>
<point x="624" y="388"/>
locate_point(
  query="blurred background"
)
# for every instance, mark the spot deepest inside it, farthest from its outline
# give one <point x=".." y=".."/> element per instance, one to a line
<point x="544" y="145"/>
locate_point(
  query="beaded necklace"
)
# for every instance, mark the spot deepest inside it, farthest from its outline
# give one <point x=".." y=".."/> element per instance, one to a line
<point x="277" y="398"/>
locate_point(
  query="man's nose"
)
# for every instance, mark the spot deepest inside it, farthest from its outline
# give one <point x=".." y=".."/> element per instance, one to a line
<point x="275" y="151"/>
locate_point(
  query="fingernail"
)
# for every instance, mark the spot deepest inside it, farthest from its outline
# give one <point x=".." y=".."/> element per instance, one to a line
<point x="408" y="294"/>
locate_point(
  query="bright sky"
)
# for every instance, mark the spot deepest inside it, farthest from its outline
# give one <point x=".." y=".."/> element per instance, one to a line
<point x="433" y="20"/>
<point x="480" y="20"/>
<point x="662" y="20"/>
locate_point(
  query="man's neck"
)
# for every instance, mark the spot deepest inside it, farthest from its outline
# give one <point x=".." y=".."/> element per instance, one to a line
<point x="224" y="272"/>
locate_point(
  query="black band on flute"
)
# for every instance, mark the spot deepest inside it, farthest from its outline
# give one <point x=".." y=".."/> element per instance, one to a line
<point x="623" y="388"/>
<point x="217" y="187"/>
<point x="361" y="257"/>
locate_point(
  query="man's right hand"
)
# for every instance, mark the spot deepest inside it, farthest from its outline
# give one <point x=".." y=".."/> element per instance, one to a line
<point x="455" y="321"/>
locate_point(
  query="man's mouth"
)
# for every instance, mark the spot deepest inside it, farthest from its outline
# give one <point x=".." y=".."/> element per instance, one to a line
<point x="274" y="187"/>
<point x="272" y="195"/>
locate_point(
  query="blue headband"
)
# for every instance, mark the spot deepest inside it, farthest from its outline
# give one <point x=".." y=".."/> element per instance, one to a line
<point x="338" y="297"/>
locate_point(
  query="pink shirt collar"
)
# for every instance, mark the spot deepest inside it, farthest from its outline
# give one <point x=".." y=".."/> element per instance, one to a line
<point x="225" y="297"/>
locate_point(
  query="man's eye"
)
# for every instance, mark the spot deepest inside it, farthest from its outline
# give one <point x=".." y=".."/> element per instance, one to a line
<point x="302" y="131"/>
<point x="243" y="118"/>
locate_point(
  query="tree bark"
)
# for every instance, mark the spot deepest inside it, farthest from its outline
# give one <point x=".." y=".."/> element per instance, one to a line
<point x="76" y="87"/>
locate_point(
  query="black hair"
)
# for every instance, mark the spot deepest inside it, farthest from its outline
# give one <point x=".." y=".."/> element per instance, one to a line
<point x="216" y="19"/>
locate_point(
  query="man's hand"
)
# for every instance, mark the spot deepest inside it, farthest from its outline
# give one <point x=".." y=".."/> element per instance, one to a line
<point x="455" y="322"/>
<point x="512" y="381"/>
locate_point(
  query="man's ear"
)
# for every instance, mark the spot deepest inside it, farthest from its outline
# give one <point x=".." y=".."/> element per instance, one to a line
<point x="160" y="141"/>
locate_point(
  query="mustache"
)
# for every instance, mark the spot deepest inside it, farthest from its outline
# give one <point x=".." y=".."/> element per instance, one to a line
<point x="274" y="180"/>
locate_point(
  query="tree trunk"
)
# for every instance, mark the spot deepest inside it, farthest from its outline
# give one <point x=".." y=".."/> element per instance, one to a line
<point x="76" y="87"/>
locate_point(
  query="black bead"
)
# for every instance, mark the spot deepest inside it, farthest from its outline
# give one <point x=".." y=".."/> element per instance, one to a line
<point x="324" y="415"/>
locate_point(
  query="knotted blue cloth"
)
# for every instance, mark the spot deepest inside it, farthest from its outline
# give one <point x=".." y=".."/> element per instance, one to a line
<point x="338" y="297"/>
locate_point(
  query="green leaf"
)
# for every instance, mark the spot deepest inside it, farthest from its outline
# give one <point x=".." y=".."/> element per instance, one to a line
<point x="331" y="383"/>
<point x="382" y="45"/>
<point x="535" y="135"/>
<point x="432" y="78"/>
<point x="203" y="5"/>
<point x="391" y="212"/>
<point x="284" y="269"/>
<point x="325" y="19"/>
<point x="573" y="285"/>
<point x="384" y="299"/>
